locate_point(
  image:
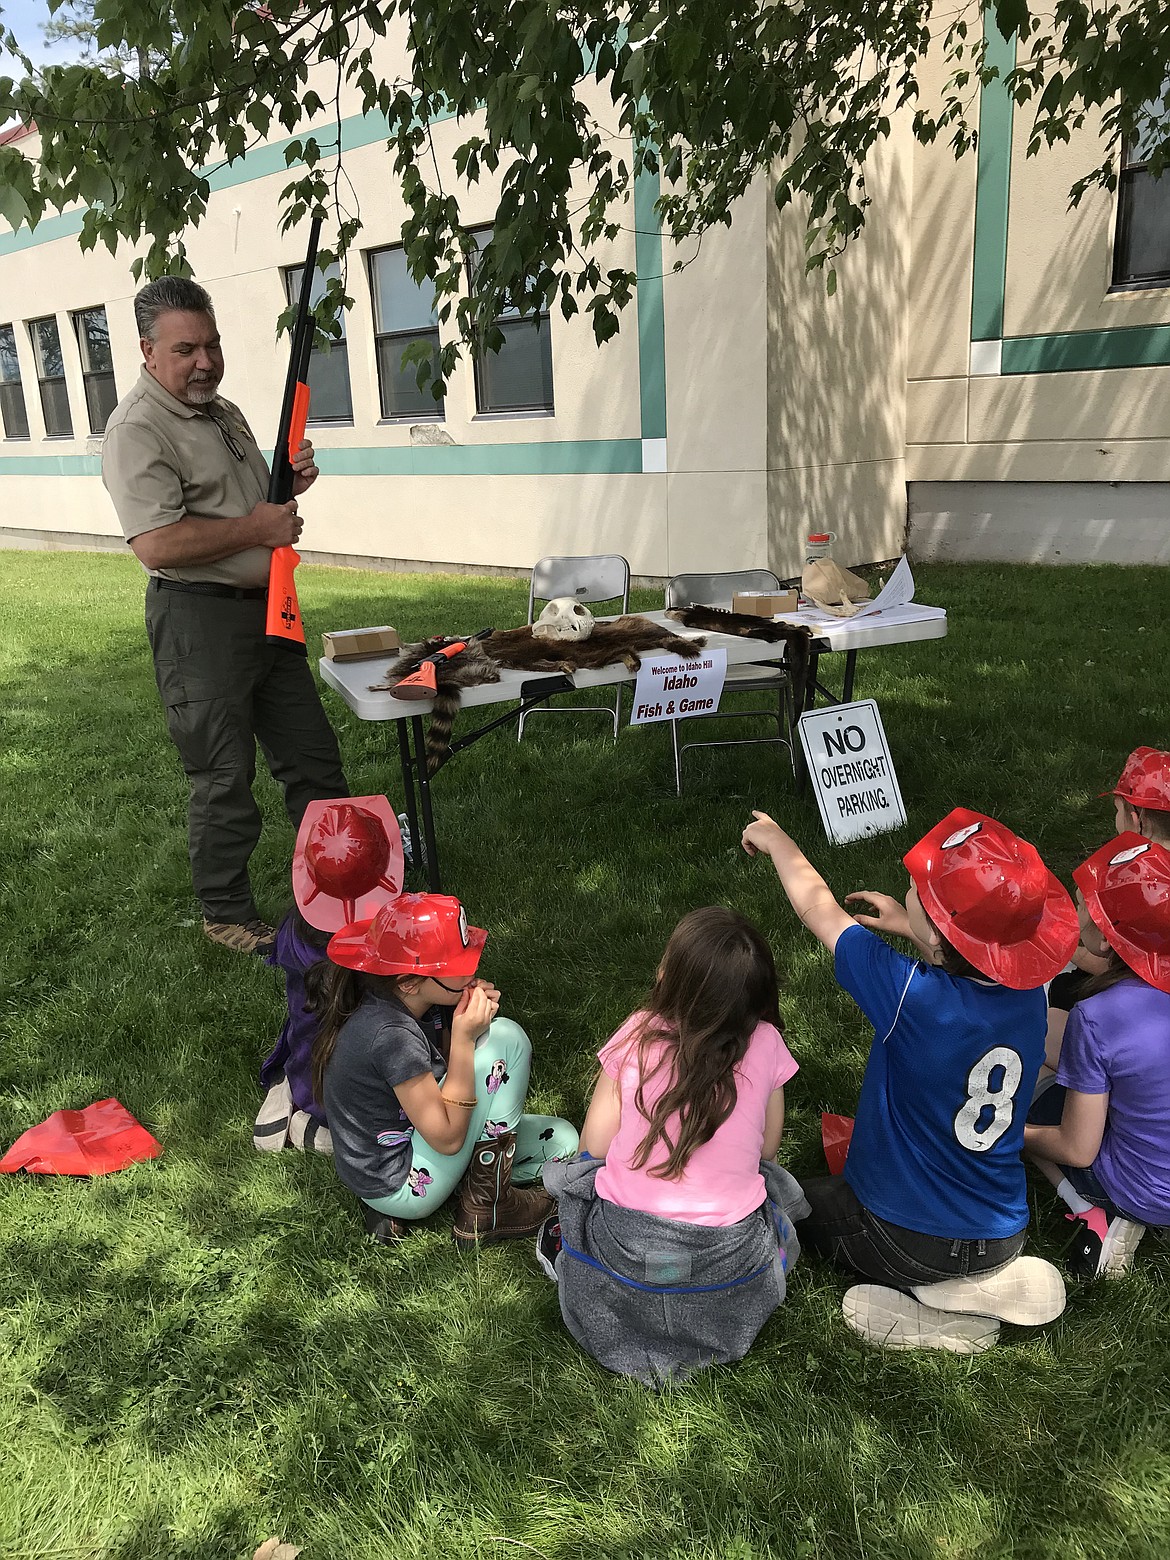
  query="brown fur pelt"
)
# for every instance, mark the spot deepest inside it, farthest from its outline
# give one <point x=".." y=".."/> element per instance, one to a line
<point x="624" y="640"/>
<point x="796" y="637"/>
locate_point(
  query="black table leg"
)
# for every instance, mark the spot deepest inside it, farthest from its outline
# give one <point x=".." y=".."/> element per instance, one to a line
<point x="410" y="799"/>
<point x="850" y="668"/>
<point x="434" y="882"/>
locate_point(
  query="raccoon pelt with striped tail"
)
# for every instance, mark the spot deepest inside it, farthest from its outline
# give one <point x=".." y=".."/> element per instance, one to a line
<point x="623" y="639"/>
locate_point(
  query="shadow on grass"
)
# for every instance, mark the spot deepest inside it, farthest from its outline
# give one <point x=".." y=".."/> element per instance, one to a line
<point x="201" y="1351"/>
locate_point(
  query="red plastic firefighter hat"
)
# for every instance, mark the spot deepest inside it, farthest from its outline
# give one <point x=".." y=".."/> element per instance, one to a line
<point x="1126" y="888"/>
<point x="347" y="861"/>
<point x="1145" y="780"/>
<point x="95" y="1141"/>
<point x="993" y="899"/>
<point x="415" y="934"/>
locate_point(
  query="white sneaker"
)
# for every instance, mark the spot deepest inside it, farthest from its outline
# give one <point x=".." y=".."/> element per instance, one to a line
<point x="548" y="1246"/>
<point x="308" y="1135"/>
<point x="1028" y="1292"/>
<point x="1117" y="1250"/>
<point x="897" y="1321"/>
<point x="1103" y="1247"/>
<point x="270" y="1133"/>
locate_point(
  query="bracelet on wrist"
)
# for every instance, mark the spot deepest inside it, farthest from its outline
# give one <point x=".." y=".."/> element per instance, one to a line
<point x="462" y="1104"/>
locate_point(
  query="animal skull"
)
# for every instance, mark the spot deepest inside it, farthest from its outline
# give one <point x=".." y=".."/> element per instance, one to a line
<point x="564" y="618"/>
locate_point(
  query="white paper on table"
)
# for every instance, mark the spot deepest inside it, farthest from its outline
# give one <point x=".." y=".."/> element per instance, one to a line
<point x="898" y="591"/>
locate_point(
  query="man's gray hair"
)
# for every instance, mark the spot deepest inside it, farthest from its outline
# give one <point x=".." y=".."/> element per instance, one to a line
<point x="169" y="293"/>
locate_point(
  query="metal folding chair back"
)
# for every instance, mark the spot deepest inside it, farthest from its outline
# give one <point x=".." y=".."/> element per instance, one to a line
<point x="717" y="590"/>
<point x="590" y="578"/>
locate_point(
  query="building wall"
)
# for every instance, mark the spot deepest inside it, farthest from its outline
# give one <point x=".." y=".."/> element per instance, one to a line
<point x="973" y="348"/>
<point x="1034" y="389"/>
<point x="655" y="449"/>
<point x="837" y="371"/>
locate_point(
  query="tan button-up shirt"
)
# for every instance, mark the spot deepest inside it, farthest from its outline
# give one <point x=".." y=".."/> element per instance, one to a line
<point x="163" y="461"/>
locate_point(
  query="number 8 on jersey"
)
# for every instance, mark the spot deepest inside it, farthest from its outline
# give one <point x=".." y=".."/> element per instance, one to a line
<point x="981" y="1097"/>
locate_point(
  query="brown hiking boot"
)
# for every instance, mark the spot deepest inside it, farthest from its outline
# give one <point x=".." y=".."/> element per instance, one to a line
<point x="490" y="1207"/>
<point x="241" y="936"/>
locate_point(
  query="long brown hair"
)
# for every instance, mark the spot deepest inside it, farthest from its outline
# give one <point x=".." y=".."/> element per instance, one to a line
<point x="716" y="982"/>
<point x="335" y="994"/>
<point x="1115" y="969"/>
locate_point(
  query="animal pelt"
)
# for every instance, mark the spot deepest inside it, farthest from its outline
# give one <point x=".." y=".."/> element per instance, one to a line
<point x="624" y="640"/>
<point x="796" y="637"/>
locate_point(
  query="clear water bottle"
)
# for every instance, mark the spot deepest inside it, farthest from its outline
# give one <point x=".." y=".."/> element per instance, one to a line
<point x="819" y="544"/>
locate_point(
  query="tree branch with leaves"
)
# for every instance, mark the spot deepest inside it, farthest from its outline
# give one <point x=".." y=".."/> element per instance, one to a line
<point x="706" y="94"/>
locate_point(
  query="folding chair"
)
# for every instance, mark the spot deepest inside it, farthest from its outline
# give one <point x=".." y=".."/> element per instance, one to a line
<point x="591" y="578"/>
<point x="714" y="590"/>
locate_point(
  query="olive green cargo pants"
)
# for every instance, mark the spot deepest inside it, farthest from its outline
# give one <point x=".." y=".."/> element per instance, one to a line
<point x="224" y="688"/>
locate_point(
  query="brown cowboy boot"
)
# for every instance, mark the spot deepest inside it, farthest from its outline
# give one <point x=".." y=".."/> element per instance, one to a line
<point x="490" y="1207"/>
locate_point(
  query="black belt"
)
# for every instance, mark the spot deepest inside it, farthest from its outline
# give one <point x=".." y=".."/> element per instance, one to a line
<point x="209" y="588"/>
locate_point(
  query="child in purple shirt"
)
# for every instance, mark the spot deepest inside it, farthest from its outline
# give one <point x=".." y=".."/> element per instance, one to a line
<point x="347" y="863"/>
<point x="1141" y="805"/>
<point x="1101" y="1134"/>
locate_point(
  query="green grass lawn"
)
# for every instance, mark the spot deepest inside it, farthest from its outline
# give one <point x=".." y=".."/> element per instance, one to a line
<point x="202" y="1351"/>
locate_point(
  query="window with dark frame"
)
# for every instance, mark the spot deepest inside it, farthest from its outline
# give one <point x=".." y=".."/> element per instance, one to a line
<point x="517" y="378"/>
<point x="46" y="343"/>
<point x="330" y="399"/>
<point x="97" y="366"/>
<point x="1141" y="249"/>
<point x="404" y="315"/>
<point x="12" y="408"/>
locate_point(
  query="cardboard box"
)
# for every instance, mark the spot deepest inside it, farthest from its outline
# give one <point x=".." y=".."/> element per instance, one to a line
<point x="763" y="603"/>
<point x="355" y="644"/>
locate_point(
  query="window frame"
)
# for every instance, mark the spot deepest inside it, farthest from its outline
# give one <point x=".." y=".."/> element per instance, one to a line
<point x="1129" y="182"/>
<point x="94" y="378"/>
<point x="540" y="322"/>
<point x="339" y="344"/>
<point x="434" y="411"/>
<point x="9" y="384"/>
<point x="50" y="379"/>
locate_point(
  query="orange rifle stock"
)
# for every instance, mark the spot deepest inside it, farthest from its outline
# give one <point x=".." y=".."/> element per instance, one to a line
<point x="284" y="625"/>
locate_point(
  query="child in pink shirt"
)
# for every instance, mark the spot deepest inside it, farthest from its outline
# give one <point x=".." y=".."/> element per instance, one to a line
<point x="673" y="1233"/>
<point x="720" y="1183"/>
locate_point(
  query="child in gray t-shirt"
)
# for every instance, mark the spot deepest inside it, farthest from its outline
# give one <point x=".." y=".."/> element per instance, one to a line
<point x="410" y="1123"/>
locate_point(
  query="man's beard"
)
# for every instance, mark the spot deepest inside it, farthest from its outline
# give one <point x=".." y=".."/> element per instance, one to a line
<point x="204" y="393"/>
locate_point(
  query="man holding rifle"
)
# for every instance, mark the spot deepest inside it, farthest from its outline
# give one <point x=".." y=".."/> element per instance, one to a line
<point x="189" y="485"/>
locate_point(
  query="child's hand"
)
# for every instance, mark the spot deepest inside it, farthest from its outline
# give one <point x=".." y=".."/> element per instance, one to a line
<point x="486" y="986"/>
<point x="477" y="1007"/>
<point x="888" y="914"/>
<point x="759" y="837"/>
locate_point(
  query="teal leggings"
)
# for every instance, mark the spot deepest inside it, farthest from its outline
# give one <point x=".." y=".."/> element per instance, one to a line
<point x="503" y="1060"/>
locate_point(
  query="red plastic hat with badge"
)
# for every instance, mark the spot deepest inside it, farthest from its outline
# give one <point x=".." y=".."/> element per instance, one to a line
<point x="347" y="862"/>
<point x="993" y="899"/>
<point x="415" y="934"/>
<point x="1145" y="780"/>
<point x="1126" y="888"/>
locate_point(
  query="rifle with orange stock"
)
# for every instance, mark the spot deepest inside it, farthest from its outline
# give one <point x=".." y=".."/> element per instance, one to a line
<point x="285" y="626"/>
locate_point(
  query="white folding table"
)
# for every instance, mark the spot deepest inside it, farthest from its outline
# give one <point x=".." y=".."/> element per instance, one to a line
<point x="524" y="690"/>
<point x="519" y="690"/>
<point x="896" y="626"/>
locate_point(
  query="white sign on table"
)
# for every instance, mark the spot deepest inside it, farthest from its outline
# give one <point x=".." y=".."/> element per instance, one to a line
<point x="671" y="688"/>
<point x="852" y="771"/>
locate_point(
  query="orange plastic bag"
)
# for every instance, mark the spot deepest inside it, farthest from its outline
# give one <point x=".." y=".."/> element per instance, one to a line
<point x="835" y="1134"/>
<point x="95" y="1141"/>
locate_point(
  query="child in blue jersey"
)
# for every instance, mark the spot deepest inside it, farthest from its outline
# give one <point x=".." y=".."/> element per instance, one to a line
<point x="932" y="1207"/>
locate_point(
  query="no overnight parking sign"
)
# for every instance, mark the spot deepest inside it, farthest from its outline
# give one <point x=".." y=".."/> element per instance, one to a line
<point x="851" y="770"/>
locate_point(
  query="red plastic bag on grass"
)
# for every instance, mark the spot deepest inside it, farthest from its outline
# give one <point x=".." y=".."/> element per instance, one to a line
<point x="95" y="1141"/>
<point x="835" y="1134"/>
